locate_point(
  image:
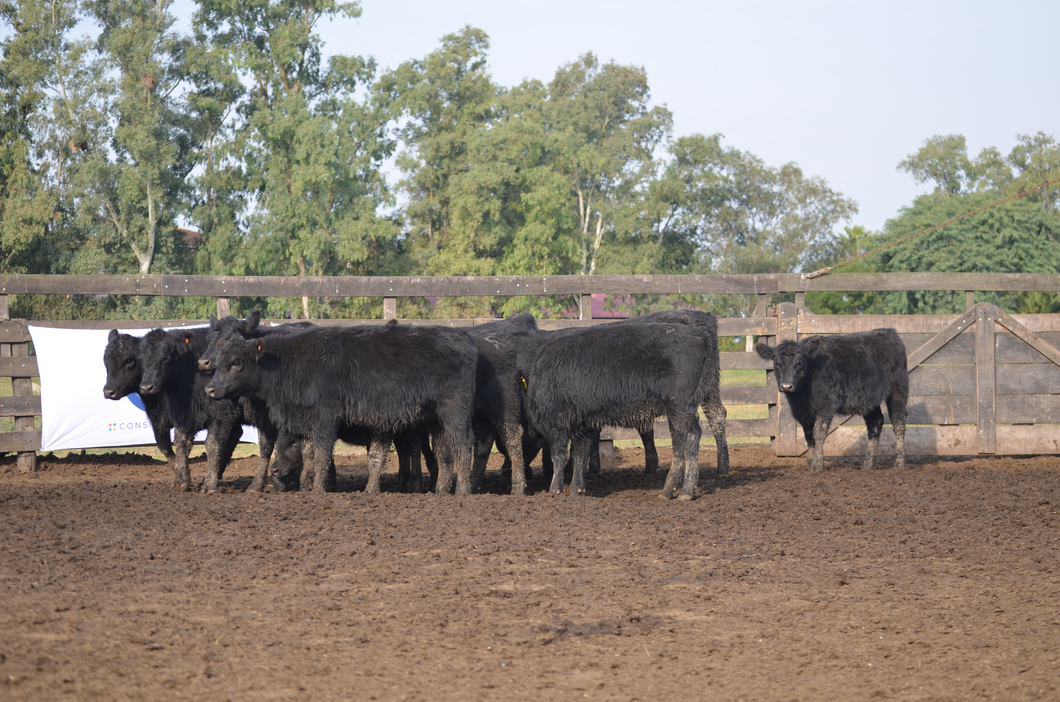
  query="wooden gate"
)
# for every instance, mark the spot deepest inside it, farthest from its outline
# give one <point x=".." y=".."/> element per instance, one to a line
<point x="986" y="382"/>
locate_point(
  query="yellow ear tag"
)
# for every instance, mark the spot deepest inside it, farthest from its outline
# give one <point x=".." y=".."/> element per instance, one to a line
<point x="523" y="378"/>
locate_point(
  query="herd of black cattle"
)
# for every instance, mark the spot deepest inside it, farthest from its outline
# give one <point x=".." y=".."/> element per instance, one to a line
<point x="449" y="394"/>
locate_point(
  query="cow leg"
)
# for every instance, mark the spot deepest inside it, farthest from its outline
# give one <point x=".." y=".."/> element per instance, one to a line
<point x="874" y="424"/>
<point x="820" y="433"/>
<point x="594" y="457"/>
<point x="182" y="444"/>
<point x="219" y="448"/>
<point x="676" y="477"/>
<point x="429" y="460"/>
<point x="163" y="440"/>
<point x="460" y="440"/>
<point x="715" y="415"/>
<point x="410" y="472"/>
<point x="558" y="445"/>
<point x="896" y="411"/>
<point x="651" y="455"/>
<point x="377" y="453"/>
<point x="266" y="445"/>
<point x="512" y="433"/>
<point x="582" y="446"/>
<point x="688" y="490"/>
<point x="323" y="466"/>
<point x="811" y="444"/>
<point x="484" y="438"/>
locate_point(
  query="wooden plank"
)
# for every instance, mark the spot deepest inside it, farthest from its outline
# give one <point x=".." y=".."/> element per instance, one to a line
<point x="735" y="427"/>
<point x="1027" y="379"/>
<point x="757" y="395"/>
<point x="18" y="367"/>
<point x="845" y="324"/>
<point x="380" y="286"/>
<point x="850" y="282"/>
<point x="1009" y="348"/>
<point x="929" y="409"/>
<point x="959" y="350"/>
<point x="919" y="441"/>
<point x="1012" y="440"/>
<point x="765" y="326"/>
<point x="1028" y="409"/>
<point x="19" y="441"/>
<point x="13" y="332"/>
<point x="786" y="443"/>
<point x="956" y="327"/>
<point x="1039" y="323"/>
<point x="741" y="360"/>
<point x="20" y="406"/>
<point x="985" y="387"/>
<point x="942" y="380"/>
<point x="1027" y="336"/>
<point x="416" y="286"/>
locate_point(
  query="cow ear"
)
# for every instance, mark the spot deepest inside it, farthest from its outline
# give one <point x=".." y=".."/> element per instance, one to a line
<point x="186" y="337"/>
<point x="259" y="347"/>
<point x="213" y="322"/>
<point x="764" y="351"/>
<point x="253" y="320"/>
<point x="113" y="336"/>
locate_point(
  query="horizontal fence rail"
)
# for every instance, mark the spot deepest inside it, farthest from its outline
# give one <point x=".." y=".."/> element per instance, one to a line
<point x="982" y="382"/>
<point x="420" y="286"/>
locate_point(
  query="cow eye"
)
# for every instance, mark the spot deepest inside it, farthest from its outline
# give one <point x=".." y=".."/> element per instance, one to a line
<point x="236" y="366"/>
<point x="130" y="362"/>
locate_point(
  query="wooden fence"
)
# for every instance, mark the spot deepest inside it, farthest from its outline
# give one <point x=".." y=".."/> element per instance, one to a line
<point x="982" y="382"/>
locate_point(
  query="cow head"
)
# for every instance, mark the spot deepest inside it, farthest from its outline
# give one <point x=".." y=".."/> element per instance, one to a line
<point x="160" y="353"/>
<point x="790" y="363"/>
<point x="221" y="330"/>
<point x="121" y="358"/>
<point x="237" y="373"/>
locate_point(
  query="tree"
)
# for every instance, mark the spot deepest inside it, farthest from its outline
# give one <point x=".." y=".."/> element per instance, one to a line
<point x="443" y="100"/>
<point x="604" y="136"/>
<point x="134" y="190"/>
<point x="1037" y="160"/>
<point x="307" y="149"/>
<point x="942" y="160"/>
<point x="1015" y="237"/>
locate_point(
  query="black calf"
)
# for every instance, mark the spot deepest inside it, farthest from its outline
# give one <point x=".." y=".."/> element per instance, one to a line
<point x="823" y="376"/>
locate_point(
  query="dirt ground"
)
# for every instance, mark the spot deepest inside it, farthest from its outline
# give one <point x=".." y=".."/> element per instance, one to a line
<point x="934" y="583"/>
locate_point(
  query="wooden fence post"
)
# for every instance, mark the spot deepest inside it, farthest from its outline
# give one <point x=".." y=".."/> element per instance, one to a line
<point x="786" y="441"/>
<point x="985" y="388"/>
<point x="20" y="387"/>
<point x="969" y="299"/>
<point x="389" y="308"/>
<point x="585" y="307"/>
<point x="224" y="306"/>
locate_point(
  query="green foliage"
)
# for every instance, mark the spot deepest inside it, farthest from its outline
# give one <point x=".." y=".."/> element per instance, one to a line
<point x="1015" y="237"/>
<point x="1018" y="236"/>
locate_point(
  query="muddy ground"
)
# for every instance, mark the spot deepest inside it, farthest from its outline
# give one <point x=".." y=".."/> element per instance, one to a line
<point x="934" y="583"/>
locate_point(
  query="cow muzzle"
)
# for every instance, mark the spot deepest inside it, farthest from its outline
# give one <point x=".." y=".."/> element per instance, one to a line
<point x="148" y="388"/>
<point x="786" y="387"/>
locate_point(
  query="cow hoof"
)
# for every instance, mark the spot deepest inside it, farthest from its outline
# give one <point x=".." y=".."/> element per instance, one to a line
<point x="685" y="497"/>
<point x="667" y="492"/>
<point x="519" y="491"/>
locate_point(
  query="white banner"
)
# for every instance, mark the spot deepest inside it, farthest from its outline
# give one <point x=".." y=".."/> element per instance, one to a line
<point x="75" y="415"/>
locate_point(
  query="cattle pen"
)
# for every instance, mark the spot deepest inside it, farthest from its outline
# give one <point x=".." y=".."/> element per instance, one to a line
<point x="982" y="382"/>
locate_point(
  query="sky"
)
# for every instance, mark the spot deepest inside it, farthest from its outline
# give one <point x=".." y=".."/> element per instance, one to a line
<point x="844" y="89"/>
